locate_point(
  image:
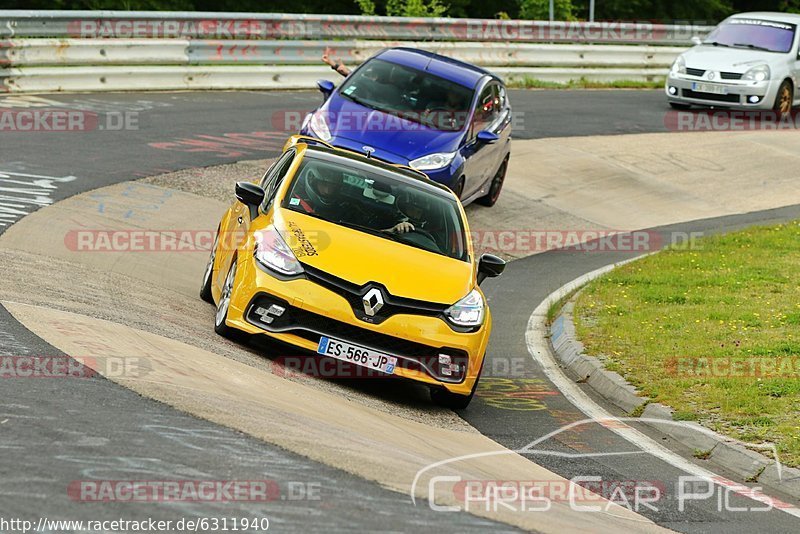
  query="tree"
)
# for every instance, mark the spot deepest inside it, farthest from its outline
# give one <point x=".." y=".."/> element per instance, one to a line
<point x="540" y="9"/>
<point x="415" y="8"/>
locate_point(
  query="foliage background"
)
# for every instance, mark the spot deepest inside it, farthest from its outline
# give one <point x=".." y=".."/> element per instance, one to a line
<point x="655" y="10"/>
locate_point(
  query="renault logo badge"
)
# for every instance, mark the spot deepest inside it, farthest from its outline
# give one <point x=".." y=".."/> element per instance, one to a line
<point x="373" y="301"/>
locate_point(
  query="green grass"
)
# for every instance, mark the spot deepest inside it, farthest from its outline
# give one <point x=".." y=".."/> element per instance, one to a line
<point x="672" y="323"/>
<point x="582" y="83"/>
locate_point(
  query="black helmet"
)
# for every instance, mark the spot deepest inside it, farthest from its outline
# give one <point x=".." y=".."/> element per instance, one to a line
<point x="415" y="205"/>
<point x="323" y="184"/>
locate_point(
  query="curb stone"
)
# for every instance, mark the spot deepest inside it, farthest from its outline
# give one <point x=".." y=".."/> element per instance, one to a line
<point x="729" y="453"/>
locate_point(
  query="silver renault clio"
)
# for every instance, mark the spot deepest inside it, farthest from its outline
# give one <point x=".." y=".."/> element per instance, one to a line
<point x="749" y="61"/>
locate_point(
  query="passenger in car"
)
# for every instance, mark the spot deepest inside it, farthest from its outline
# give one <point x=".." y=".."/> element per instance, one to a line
<point x="336" y="64"/>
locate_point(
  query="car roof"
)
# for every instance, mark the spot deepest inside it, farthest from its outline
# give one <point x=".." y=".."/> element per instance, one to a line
<point x="790" y="18"/>
<point x="404" y="174"/>
<point x="448" y="68"/>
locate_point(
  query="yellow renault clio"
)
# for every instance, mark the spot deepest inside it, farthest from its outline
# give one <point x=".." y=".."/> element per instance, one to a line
<point x="358" y="260"/>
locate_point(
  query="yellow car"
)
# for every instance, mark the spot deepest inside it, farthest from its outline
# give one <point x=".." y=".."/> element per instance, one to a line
<point x="358" y="260"/>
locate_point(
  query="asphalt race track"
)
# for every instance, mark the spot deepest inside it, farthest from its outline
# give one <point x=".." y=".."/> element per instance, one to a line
<point x="53" y="432"/>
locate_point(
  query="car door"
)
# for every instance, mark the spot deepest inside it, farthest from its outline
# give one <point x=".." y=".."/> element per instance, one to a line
<point x="479" y="157"/>
<point x="235" y="231"/>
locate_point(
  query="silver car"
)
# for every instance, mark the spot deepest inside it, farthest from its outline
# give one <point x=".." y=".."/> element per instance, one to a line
<point x="749" y="61"/>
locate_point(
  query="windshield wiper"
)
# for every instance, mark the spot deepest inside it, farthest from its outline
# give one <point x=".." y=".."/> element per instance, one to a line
<point x="368" y="230"/>
<point x="716" y="43"/>
<point x="358" y="101"/>
<point x="752" y="47"/>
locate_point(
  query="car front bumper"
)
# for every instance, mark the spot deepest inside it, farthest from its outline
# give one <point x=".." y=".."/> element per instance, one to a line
<point x="737" y="94"/>
<point x="313" y="311"/>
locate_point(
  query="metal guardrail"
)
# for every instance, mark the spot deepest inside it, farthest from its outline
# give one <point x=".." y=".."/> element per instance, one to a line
<point x="260" y="26"/>
<point x="43" y="51"/>
<point x="74" y="52"/>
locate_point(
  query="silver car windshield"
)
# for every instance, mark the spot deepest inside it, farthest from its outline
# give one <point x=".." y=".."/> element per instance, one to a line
<point x="754" y="34"/>
<point x="375" y="201"/>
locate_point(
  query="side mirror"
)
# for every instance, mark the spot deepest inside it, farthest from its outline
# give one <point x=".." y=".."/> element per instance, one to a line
<point x="249" y="194"/>
<point x="486" y="137"/>
<point x="696" y="40"/>
<point x="490" y="266"/>
<point x="326" y="87"/>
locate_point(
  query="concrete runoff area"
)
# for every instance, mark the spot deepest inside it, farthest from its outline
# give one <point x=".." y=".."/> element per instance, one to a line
<point x="146" y="303"/>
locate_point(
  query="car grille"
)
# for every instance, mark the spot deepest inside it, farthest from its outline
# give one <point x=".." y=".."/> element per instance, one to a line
<point x="354" y="295"/>
<point x="723" y="75"/>
<point x="312" y="326"/>
<point x="688" y="93"/>
<point x="731" y="75"/>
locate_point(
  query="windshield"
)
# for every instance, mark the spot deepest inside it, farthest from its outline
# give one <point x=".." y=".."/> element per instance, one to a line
<point x="375" y="201"/>
<point x="412" y="94"/>
<point x="755" y="34"/>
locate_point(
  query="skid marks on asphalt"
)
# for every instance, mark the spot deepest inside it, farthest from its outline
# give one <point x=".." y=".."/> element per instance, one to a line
<point x="229" y="145"/>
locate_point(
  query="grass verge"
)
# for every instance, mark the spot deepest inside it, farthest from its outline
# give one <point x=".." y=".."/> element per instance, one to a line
<point x="713" y="332"/>
<point x="582" y="83"/>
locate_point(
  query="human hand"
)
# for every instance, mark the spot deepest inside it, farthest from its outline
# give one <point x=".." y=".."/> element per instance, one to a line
<point x="402" y="228"/>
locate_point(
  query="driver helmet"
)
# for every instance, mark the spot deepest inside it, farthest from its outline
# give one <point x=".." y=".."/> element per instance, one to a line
<point x="323" y="185"/>
<point x="414" y="205"/>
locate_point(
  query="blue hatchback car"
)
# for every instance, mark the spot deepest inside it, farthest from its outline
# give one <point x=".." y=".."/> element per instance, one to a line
<point x="447" y="118"/>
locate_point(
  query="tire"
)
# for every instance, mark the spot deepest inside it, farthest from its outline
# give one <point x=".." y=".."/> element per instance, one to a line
<point x="458" y="189"/>
<point x="676" y="105"/>
<point x="454" y="401"/>
<point x="224" y="304"/>
<point x="205" y="289"/>
<point x="490" y="199"/>
<point x="784" y="98"/>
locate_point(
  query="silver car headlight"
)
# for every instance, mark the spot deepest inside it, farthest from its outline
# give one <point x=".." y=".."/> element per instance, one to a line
<point x="758" y="73"/>
<point x="679" y="67"/>
<point x="273" y="253"/>
<point x="319" y="126"/>
<point x="468" y="311"/>
<point x="432" y="162"/>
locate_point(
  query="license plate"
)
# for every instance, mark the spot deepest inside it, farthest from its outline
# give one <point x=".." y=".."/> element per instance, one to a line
<point x="347" y="352"/>
<point x="710" y="88"/>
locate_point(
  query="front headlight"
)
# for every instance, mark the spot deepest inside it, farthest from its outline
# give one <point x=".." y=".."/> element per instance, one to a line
<point x="433" y="161"/>
<point x="273" y="253"/>
<point x="467" y="311"/>
<point x="319" y="126"/>
<point x="757" y="74"/>
<point x="679" y="67"/>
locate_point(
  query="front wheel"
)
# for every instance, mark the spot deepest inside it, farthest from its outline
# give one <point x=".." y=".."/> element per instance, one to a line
<point x="224" y="305"/>
<point x="454" y="401"/>
<point x="205" y="289"/>
<point x="784" y="98"/>
<point x="490" y="199"/>
<point x="676" y="105"/>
